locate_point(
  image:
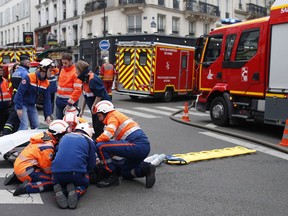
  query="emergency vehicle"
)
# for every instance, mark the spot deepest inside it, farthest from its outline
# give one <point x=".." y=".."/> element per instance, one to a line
<point x="150" y="69"/>
<point x="243" y="72"/>
<point x="17" y="53"/>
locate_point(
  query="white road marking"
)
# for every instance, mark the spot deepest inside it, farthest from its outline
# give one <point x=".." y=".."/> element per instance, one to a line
<point x="131" y="112"/>
<point x="7" y="197"/>
<point x="167" y="108"/>
<point x="248" y="145"/>
<point x="152" y="110"/>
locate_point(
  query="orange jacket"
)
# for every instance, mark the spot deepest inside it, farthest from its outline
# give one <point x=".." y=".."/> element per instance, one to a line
<point x="5" y="95"/>
<point x="118" y="126"/>
<point x="69" y="86"/>
<point x="107" y="72"/>
<point x="39" y="153"/>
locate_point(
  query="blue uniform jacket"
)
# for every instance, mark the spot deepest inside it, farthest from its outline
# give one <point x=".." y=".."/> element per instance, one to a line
<point x="29" y="89"/>
<point x="76" y="153"/>
<point x="92" y="83"/>
<point x="21" y="72"/>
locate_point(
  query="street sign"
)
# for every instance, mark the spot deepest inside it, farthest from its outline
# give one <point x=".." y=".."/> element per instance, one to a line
<point x="104" y="45"/>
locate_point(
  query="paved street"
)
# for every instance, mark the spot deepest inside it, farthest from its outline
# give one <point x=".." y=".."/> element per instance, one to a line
<point x="253" y="184"/>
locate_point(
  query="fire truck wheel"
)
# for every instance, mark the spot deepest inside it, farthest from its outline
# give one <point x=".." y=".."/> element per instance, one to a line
<point x="168" y="95"/>
<point x="219" y="111"/>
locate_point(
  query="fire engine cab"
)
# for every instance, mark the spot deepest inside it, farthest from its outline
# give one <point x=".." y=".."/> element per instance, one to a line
<point x="150" y="69"/>
<point x="16" y="53"/>
<point x="243" y="70"/>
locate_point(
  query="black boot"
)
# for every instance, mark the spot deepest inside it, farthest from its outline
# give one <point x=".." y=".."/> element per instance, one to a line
<point x="11" y="179"/>
<point x="148" y="170"/>
<point x="60" y="197"/>
<point x="21" y="189"/>
<point x="97" y="175"/>
<point x="111" y="180"/>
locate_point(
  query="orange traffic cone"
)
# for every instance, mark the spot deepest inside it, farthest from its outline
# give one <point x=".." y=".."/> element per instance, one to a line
<point x="284" y="141"/>
<point x="185" y="116"/>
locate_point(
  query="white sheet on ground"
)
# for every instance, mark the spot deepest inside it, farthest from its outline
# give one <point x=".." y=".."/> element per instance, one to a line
<point x="9" y="142"/>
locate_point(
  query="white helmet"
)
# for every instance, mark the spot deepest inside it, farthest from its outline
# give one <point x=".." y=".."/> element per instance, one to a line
<point x="46" y="63"/>
<point x="72" y="109"/>
<point x="104" y="106"/>
<point x="71" y="119"/>
<point x="85" y="127"/>
<point x="58" y="127"/>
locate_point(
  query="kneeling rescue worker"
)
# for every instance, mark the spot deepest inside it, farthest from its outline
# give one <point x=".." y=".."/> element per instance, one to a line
<point x="129" y="142"/>
<point x="33" y="165"/>
<point x="75" y="157"/>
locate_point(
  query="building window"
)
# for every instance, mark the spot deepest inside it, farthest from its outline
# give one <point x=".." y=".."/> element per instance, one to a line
<point x="161" y="23"/>
<point x="55" y="12"/>
<point x="134" y="23"/>
<point x="175" y="25"/>
<point x="192" y="28"/>
<point x="63" y="43"/>
<point x="206" y="28"/>
<point x="89" y="28"/>
<point x="47" y="16"/>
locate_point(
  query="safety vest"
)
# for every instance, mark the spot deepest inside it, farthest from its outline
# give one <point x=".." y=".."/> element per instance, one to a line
<point x="69" y="86"/>
<point x="86" y="89"/>
<point x="5" y="95"/>
<point x="118" y="126"/>
<point x="39" y="153"/>
<point x="107" y="72"/>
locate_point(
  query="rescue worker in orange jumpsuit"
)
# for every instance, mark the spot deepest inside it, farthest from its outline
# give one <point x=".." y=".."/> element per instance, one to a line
<point x="69" y="86"/>
<point x="93" y="91"/>
<point x="5" y="99"/>
<point x="28" y="92"/>
<point x="107" y="73"/>
<point x="74" y="159"/>
<point x="33" y="165"/>
<point x="129" y="142"/>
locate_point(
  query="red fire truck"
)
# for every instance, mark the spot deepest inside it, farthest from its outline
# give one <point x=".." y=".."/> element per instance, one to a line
<point x="243" y="72"/>
<point x="148" y="69"/>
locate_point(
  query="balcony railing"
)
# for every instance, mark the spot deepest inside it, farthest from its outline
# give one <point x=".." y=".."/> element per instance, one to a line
<point x="255" y="9"/>
<point x="134" y="29"/>
<point x="127" y="2"/>
<point x="95" y="5"/>
<point x="161" y="29"/>
<point x="202" y="7"/>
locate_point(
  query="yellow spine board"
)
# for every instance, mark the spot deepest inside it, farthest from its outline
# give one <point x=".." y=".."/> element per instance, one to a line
<point x="181" y="159"/>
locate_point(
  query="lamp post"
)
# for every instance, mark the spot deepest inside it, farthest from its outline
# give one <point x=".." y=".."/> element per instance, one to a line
<point x="104" y="1"/>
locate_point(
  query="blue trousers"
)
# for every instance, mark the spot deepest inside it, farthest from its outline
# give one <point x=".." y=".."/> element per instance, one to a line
<point x="29" y="115"/>
<point x="134" y="153"/>
<point x="39" y="182"/>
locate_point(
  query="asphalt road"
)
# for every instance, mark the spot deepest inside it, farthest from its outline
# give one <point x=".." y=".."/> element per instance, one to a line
<point x="253" y="184"/>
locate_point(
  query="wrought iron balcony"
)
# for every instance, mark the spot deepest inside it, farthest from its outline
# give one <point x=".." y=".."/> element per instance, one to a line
<point x="129" y="5"/>
<point x="201" y="9"/>
<point x="256" y="10"/>
<point x="131" y="2"/>
<point x="137" y="29"/>
<point x="95" y="5"/>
